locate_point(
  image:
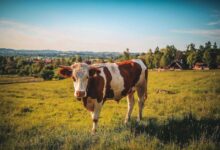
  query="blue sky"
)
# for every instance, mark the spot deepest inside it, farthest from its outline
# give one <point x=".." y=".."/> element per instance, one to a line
<point x="107" y="25"/>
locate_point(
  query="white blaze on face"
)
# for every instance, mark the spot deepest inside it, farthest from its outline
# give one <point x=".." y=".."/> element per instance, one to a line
<point x="117" y="83"/>
<point x="81" y="80"/>
<point x="80" y="85"/>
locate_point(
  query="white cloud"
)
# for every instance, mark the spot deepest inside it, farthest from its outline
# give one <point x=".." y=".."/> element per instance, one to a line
<point x="214" y="23"/>
<point x="215" y="13"/>
<point x="201" y="32"/>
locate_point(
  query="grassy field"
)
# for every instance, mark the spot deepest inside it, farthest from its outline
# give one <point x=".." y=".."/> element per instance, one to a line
<point x="45" y="115"/>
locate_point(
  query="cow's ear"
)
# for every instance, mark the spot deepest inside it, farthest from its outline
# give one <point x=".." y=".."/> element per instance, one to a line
<point x="65" y="71"/>
<point x="93" y="71"/>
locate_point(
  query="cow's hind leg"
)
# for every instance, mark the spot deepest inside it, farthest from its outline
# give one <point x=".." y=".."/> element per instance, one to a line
<point x="95" y="116"/>
<point x="130" y="101"/>
<point x="142" y="96"/>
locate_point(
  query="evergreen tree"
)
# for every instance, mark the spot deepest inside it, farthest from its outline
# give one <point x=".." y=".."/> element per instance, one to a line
<point x="149" y="59"/>
<point x="126" y="54"/>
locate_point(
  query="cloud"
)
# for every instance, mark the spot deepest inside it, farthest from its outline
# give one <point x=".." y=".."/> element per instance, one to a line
<point x="26" y="36"/>
<point x="201" y="32"/>
<point x="19" y="35"/>
<point x="214" y="23"/>
<point x="215" y="13"/>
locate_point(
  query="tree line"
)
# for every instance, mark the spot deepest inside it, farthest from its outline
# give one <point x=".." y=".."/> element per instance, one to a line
<point x="28" y="66"/>
<point x="161" y="58"/>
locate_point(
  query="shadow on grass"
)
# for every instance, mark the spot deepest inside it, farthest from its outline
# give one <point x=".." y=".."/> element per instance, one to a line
<point x="180" y="131"/>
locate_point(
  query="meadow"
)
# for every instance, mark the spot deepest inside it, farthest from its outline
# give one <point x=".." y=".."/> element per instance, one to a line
<point x="45" y="115"/>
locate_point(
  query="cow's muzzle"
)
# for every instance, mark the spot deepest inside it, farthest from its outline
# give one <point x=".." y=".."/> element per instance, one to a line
<point x="80" y="94"/>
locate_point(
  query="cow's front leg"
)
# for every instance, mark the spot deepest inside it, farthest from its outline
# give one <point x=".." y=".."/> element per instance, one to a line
<point x="95" y="115"/>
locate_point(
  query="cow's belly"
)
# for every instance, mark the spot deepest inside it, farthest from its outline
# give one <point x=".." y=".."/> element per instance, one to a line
<point x="117" y="82"/>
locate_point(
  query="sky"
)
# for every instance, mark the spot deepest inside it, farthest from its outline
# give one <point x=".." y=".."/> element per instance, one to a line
<point x="108" y="25"/>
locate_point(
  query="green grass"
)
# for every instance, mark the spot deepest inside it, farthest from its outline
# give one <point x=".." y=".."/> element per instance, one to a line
<point x="45" y="115"/>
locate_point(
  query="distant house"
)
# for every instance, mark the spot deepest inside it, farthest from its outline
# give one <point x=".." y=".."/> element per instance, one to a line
<point x="48" y="61"/>
<point x="36" y="60"/>
<point x="200" y="66"/>
<point x="175" y="65"/>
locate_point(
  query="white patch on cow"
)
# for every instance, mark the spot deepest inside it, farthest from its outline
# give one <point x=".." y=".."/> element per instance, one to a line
<point x="142" y="78"/>
<point x="105" y="81"/>
<point x="117" y="82"/>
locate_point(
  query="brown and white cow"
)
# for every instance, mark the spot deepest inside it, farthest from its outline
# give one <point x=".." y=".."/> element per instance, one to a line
<point x="94" y="84"/>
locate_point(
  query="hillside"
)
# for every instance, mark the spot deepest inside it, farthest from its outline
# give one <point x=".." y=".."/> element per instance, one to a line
<point x="56" y="53"/>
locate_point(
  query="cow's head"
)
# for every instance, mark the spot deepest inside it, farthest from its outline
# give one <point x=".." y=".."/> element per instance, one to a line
<point x="80" y="73"/>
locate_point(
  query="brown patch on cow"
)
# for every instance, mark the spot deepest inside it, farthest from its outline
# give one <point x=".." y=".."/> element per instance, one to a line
<point x="94" y="71"/>
<point x="109" y="92"/>
<point x="95" y="120"/>
<point x="64" y="72"/>
<point x="89" y="104"/>
<point x="130" y="71"/>
<point x="95" y="87"/>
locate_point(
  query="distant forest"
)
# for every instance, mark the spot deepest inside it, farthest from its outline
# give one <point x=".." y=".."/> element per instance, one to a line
<point x="45" y="62"/>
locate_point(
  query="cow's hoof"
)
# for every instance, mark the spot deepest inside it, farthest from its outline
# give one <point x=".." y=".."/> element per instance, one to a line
<point x="138" y="119"/>
<point x="93" y="132"/>
<point x="126" y="121"/>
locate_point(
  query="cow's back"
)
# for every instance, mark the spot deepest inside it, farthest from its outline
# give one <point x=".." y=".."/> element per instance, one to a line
<point x="122" y="77"/>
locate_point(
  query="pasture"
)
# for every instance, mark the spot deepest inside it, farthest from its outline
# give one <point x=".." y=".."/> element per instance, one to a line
<point x="45" y="115"/>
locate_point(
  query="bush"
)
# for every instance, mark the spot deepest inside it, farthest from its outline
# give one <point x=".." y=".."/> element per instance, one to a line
<point x="58" y="77"/>
<point x="47" y="74"/>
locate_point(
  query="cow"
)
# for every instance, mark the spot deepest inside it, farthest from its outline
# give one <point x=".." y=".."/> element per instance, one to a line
<point x="94" y="84"/>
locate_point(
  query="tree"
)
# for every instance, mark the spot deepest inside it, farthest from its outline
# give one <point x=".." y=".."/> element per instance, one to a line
<point x="215" y="46"/>
<point x="165" y="61"/>
<point x="201" y="47"/>
<point x="191" y="47"/>
<point x="149" y="59"/>
<point x="78" y="58"/>
<point x="126" y="54"/>
<point x="169" y="54"/>
<point x="111" y="60"/>
<point x="207" y="58"/>
<point x="36" y="69"/>
<point x="192" y="59"/>
<point x="57" y="62"/>
<point x="208" y="45"/>
<point x="25" y="70"/>
<point x="157" y="57"/>
<point x="218" y="60"/>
